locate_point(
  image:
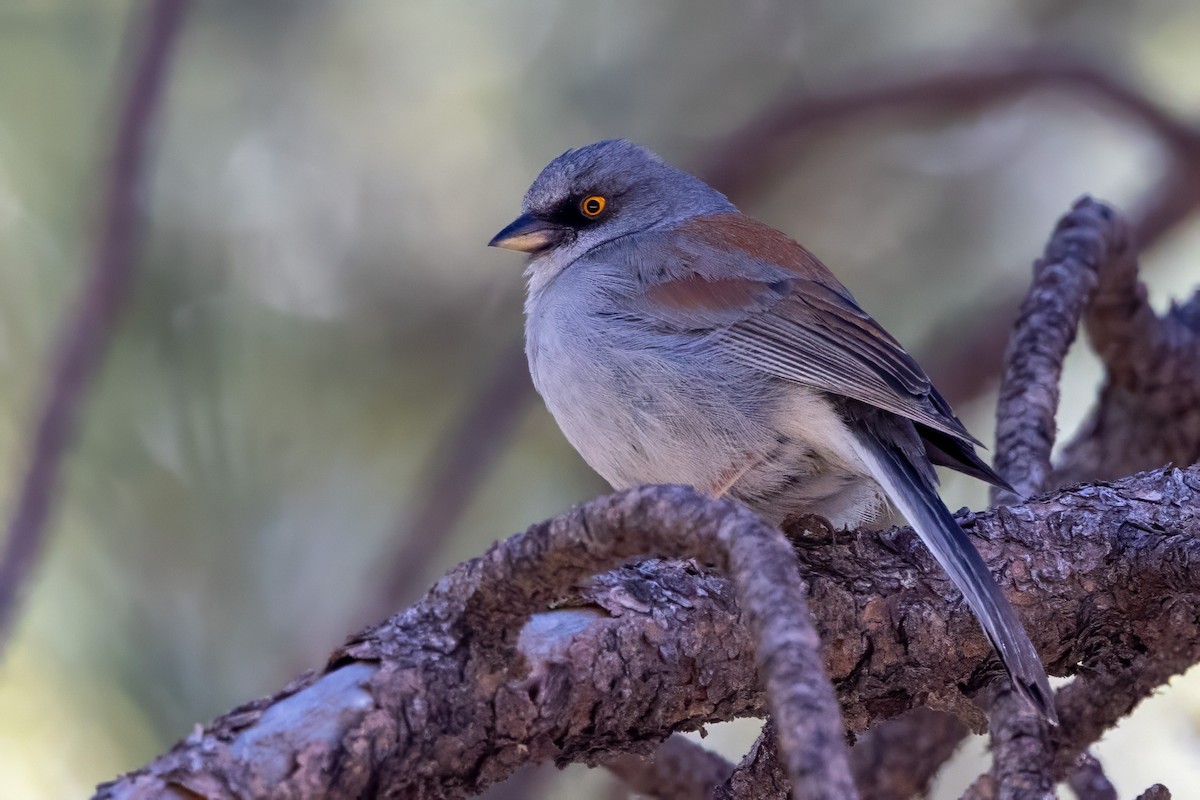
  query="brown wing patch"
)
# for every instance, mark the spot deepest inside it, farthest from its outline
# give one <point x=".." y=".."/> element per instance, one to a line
<point x="695" y="293"/>
<point x="738" y="232"/>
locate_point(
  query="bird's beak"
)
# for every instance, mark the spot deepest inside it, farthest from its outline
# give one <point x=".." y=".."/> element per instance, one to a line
<point x="528" y="234"/>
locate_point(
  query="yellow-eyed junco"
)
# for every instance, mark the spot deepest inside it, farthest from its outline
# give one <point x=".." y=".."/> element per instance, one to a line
<point x="677" y="341"/>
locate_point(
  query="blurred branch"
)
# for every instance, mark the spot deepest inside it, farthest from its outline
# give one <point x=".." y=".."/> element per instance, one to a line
<point x="760" y="149"/>
<point x="1155" y="792"/>
<point x="85" y="334"/>
<point x="899" y="758"/>
<point x="680" y="769"/>
<point x="1089" y="782"/>
<point x="461" y="460"/>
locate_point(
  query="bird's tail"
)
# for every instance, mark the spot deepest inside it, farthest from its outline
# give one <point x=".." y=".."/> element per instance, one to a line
<point x="913" y="493"/>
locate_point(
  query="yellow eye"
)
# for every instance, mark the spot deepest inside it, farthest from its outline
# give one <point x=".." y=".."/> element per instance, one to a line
<point x="592" y="206"/>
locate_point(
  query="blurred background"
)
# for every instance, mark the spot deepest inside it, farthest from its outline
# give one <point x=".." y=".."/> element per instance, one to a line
<point x="311" y="407"/>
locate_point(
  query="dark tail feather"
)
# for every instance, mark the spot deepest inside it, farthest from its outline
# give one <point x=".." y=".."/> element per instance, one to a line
<point x="957" y="454"/>
<point x="914" y="495"/>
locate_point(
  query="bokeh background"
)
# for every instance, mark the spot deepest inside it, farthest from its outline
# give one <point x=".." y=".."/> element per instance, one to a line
<point x="316" y="314"/>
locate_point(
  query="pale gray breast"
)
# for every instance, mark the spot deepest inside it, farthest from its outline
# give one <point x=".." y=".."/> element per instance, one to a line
<point x="646" y="405"/>
<point x="640" y="406"/>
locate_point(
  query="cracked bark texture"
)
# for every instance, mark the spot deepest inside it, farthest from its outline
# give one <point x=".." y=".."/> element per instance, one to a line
<point x="1083" y="244"/>
<point x="759" y="776"/>
<point x="421" y="707"/>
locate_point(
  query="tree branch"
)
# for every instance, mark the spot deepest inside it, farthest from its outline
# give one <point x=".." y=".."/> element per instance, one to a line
<point x="680" y="769"/>
<point x="85" y="333"/>
<point x="1148" y="411"/>
<point x="1085" y="242"/>
<point x="426" y="704"/>
<point x="760" y="775"/>
<point x="899" y="758"/>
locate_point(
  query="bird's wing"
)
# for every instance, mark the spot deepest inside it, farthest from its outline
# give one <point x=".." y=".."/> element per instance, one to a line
<point x="772" y="305"/>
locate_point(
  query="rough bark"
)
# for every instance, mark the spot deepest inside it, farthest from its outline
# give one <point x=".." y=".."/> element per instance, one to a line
<point x="1087" y="241"/>
<point x="1148" y="411"/>
<point x="760" y="775"/>
<point x="420" y="706"/>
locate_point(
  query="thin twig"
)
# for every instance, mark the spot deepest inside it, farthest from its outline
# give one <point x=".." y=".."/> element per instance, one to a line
<point x="900" y="757"/>
<point x="679" y="769"/>
<point x="86" y="333"/>
<point x="1082" y="244"/>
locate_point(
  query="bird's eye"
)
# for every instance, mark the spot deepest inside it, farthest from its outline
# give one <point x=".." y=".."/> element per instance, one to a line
<point x="592" y="206"/>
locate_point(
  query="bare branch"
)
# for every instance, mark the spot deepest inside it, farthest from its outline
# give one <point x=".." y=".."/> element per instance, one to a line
<point x="1083" y="243"/>
<point x="85" y="334"/>
<point x="429" y="704"/>
<point x="1148" y="412"/>
<point x="755" y="151"/>
<point x="899" y="758"/>
<point x="680" y="769"/>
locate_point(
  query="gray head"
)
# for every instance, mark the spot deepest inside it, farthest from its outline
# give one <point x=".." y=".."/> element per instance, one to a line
<point x="594" y="194"/>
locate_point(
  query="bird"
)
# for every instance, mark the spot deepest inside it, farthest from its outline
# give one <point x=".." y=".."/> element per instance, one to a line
<point x="676" y="340"/>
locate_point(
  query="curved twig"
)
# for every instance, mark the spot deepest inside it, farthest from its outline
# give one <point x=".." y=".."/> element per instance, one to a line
<point x="1082" y="245"/>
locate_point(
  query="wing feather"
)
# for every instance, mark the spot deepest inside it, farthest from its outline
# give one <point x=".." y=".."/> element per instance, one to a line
<point x="775" y="307"/>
